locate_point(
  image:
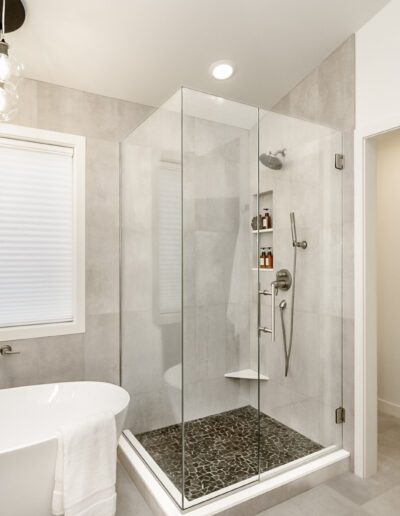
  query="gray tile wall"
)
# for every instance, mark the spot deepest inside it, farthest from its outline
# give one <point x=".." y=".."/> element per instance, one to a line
<point x="104" y="122"/>
<point x="327" y="96"/>
<point x="309" y="185"/>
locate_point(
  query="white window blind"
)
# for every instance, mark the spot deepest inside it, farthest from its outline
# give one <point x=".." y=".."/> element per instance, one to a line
<point x="170" y="237"/>
<point x="36" y="233"/>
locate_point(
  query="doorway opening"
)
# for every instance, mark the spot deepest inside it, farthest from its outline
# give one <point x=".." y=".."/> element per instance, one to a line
<point x="388" y="293"/>
<point x="377" y="278"/>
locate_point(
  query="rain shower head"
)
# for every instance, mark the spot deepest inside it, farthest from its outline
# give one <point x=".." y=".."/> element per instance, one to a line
<point x="271" y="160"/>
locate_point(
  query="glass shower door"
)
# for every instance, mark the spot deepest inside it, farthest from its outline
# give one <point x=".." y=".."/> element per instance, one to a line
<point x="151" y="291"/>
<point x="220" y="423"/>
<point x="223" y="205"/>
<point x="301" y="190"/>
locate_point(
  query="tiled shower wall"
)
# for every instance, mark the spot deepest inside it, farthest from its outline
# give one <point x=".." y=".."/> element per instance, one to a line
<point x="104" y="122"/>
<point x="217" y="274"/>
<point x="327" y="96"/>
<point x="309" y="185"/>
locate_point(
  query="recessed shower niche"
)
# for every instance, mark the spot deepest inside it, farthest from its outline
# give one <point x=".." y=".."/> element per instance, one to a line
<point x="262" y="228"/>
<point x="215" y="405"/>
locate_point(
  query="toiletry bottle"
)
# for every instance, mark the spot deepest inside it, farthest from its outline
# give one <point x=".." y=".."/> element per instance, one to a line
<point x="267" y="220"/>
<point x="264" y="219"/>
<point x="269" y="259"/>
<point x="263" y="258"/>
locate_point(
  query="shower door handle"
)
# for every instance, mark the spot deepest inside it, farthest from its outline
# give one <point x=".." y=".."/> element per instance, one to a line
<point x="271" y="293"/>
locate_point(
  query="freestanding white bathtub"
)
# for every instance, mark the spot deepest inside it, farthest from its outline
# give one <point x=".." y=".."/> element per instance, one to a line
<point x="29" y="418"/>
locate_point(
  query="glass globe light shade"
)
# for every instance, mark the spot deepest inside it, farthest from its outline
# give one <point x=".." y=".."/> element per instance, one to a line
<point x="10" y="69"/>
<point x="8" y="101"/>
<point x="10" y="73"/>
<point x="5" y="68"/>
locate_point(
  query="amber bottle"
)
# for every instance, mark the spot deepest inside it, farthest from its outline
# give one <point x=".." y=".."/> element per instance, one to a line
<point x="263" y="258"/>
<point x="269" y="261"/>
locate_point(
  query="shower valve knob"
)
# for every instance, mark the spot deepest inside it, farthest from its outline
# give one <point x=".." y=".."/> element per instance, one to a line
<point x="7" y="350"/>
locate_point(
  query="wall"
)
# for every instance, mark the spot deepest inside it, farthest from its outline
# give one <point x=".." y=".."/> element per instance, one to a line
<point x="327" y="96"/>
<point x="104" y="122"/>
<point x="377" y="76"/>
<point x="377" y="109"/>
<point x="388" y="254"/>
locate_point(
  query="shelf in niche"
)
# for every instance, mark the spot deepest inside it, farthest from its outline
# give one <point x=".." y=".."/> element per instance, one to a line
<point x="269" y="230"/>
<point x="246" y="374"/>
<point x="262" y="270"/>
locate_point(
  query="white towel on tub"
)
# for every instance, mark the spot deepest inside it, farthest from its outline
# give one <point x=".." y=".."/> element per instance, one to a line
<point x="85" y="472"/>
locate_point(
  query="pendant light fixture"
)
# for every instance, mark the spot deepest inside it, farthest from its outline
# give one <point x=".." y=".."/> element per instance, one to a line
<point x="10" y="69"/>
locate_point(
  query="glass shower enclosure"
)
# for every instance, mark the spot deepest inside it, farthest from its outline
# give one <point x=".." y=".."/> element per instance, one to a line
<point x="231" y="293"/>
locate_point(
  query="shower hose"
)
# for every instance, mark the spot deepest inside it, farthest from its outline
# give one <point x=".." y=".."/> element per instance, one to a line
<point x="288" y="348"/>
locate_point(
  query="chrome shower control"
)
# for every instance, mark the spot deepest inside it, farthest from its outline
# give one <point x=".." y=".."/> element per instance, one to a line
<point x="7" y="350"/>
<point x="283" y="280"/>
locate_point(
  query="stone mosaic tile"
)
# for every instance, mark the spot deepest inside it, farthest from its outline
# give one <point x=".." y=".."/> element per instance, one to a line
<point x="223" y="449"/>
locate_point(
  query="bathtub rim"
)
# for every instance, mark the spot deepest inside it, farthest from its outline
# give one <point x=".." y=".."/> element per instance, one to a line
<point x="48" y="438"/>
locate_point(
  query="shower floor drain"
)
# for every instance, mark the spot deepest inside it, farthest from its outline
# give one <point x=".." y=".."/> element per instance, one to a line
<point x="222" y="449"/>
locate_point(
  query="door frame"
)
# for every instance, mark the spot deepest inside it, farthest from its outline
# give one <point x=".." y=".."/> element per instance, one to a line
<point x="365" y="296"/>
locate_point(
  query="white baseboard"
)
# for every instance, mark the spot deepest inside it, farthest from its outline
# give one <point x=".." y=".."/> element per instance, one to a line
<point x="388" y="407"/>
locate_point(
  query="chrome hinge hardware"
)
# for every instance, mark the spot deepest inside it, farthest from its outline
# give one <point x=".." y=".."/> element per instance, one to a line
<point x="339" y="161"/>
<point x="340" y="415"/>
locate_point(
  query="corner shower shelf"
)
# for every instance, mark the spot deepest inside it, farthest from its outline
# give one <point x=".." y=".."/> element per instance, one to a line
<point x="262" y="270"/>
<point x="269" y="230"/>
<point x="246" y="374"/>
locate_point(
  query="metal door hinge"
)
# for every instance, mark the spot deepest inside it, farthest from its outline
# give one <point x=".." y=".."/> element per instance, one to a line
<point x="340" y="415"/>
<point x="339" y="161"/>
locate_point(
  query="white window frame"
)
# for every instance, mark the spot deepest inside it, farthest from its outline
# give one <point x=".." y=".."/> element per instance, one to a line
<point x="78" y="146"/>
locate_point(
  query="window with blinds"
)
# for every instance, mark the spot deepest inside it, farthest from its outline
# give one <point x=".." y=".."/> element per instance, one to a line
<point x="169" y="241"/>
<point x="36" y="233"/>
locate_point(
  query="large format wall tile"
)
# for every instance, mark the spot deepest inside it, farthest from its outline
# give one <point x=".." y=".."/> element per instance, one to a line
<point x="327" y="96"/>
<point x="104" y="122"/>
<point x="101" y="347"/>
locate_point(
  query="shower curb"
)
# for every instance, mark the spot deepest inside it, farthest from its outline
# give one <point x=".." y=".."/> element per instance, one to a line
<point x="248" y="500"/>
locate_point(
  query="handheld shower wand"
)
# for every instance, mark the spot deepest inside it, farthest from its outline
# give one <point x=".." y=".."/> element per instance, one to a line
<point x="295" y="243"/>
<point x="287" y="342"/>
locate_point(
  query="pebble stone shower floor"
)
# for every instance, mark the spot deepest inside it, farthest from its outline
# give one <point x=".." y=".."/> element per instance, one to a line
<point x="222" y="449"/>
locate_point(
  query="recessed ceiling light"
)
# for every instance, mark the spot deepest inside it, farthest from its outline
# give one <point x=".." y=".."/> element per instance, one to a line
<point x="222" y="70"/>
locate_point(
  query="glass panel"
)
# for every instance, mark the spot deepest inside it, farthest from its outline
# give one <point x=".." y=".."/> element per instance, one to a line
<point x="206" y="226"/>
<point x="151" y="286"/>
<point x="304" y="364"/>
<point x="220" y="419"/>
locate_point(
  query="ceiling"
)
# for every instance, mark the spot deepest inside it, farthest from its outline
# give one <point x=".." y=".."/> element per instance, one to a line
<point x="143" y="50"/>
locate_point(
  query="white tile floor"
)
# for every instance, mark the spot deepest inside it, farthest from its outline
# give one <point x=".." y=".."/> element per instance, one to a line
<point x="346" y="495"/>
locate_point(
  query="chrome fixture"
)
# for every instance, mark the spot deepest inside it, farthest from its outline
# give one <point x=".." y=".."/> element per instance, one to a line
<point x="303" y="244"/>
<point x="7" y="350"/>
<point x="271" y="293"/>
<point x="282" y="306"/>
<point x="283" y="282"/>
<point x="271" y="159"/>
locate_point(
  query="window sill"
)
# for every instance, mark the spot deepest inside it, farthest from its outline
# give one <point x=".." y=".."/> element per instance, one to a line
<point x="41" y="330"/>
